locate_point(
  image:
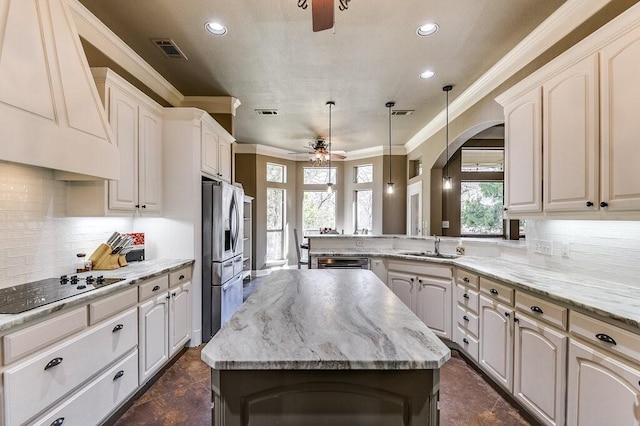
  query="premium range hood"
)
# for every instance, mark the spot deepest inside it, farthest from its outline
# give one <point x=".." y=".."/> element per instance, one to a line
<point x="50" y="113"/>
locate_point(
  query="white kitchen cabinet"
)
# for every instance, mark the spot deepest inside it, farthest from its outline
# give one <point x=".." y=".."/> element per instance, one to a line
<point x="539" y="369"/>
<point x="50" y="112"/>
<point x="403" y="286"/>
<point x="496" y="343"/>
<point x="601" y="389"/>
<point x="216" y="151"/>
<point x="153" y="326"/>
<point x="570" y="138"/>
<point x="179" y="317"/>
<point x="465" y="316"/>
<point x="433" y="304"/>
<point x="620" y="127"/>
<point x="379" y="268"/>
<point x="136" y="123"/>
<point x="523" y="154"/>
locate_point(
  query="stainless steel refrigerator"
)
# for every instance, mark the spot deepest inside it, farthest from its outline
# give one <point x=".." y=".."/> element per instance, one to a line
<point x="222" y="233"/>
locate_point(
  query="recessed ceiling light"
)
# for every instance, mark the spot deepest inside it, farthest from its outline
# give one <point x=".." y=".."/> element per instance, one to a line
<point x="427" y="74"/>
<point x="215" y="28"/>
<point x="427" y="29"/>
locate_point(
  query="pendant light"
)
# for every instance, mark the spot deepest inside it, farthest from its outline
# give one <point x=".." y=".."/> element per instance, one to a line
<point x="390" y="105"/>
<point x="330" y="184"/>
<point x="447" y="184"/>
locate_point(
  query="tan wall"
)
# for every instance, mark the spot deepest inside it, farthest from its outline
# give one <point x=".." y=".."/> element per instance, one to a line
<point x="394" y="206"/>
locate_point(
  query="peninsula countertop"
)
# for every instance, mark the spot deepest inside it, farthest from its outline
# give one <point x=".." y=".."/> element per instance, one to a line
<point x="324" y="320"/>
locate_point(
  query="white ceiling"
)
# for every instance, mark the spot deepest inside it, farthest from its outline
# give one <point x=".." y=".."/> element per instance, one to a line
<point x="272" y="59"/>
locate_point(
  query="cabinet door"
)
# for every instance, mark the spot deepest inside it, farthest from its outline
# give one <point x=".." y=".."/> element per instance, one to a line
<point x="224" y="160"/>
<point x="496" y="341"/>
<point x="209" y="151"/>
<point x="539" y="369"/>
<point x="620" y="95"/>
<point x="153" y="333"/>
<point x="150" y="162"/>
<point x="179" y="317"/>
<point x="378" y="268"/>
<point x="123" y="117"/>
<point x="570" y="138"/>
<point x="601" y="390"/>
<point x="403" y="286"/>
<point x="433" y="305"/>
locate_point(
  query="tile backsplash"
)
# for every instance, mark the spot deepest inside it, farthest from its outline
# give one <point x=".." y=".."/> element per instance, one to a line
<point x="597" y="248"/>
<point x="37" y="240"/>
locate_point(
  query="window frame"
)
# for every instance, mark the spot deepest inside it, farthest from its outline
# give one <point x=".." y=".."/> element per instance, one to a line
<point x="494" y="180"/>
<point x="314" y="231"/>
<point x="282" y="226"/>
<point x="284" y="172"/>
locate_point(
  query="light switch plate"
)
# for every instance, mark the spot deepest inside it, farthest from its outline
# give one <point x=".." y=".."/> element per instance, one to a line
<point x="445" y="224"/>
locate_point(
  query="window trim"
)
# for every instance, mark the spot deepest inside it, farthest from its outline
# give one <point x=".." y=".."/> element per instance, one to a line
<point x="284" y="172"/>
<point x="355" y="208"/>
<point x="282" y="229"/>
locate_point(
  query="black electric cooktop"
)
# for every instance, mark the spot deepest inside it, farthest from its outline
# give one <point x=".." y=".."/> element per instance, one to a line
<point x="21" y="298"/>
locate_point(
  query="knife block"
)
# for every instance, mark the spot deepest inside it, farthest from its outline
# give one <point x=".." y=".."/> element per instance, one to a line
<point x="103" y="259"/>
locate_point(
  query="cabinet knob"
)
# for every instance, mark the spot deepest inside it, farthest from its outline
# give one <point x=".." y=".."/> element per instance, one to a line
<point x="515" y="319"/>
<point x="466" y="296"/>
<point x="603" y="204"/>
<point x="144" y="206"/>
<point x="419" y="280"/>
<point x="53" y="363"/>
<point x="606" y="338"/>
<point x="493" y="291"/>
<point x="156" y="288"/>
<point x="465" y="279"/>
<point x="466" y="318"/>
<point x="537" y="310"/>
<point x="464" y="340"/>
<point x="58" y="421"/>
<point x="173" y="294"/>
<point x="505" y="209"/>
<point x="411" y="279"/>
<point x="589" y="204"/>
<point x="118" y="375"/>
<point x="117" y="328"/>
<point x="181" y="277"/>
<point x="137" y="206"/>
<point x="507" y="314"/>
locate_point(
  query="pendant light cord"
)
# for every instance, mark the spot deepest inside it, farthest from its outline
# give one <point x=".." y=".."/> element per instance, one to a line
<point x="390" y="105"/>
<point x="447" y="89"/>
<point x="331" y="104"/>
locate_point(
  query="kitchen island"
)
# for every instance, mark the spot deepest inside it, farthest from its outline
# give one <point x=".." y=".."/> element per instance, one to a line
<point x="319" y="347"/>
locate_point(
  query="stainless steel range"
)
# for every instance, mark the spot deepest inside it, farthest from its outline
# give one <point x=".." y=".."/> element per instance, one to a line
<point x="23" y="297"/>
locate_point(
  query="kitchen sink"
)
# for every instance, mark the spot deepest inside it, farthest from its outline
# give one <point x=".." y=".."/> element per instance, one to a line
<point x="429" y="254"/>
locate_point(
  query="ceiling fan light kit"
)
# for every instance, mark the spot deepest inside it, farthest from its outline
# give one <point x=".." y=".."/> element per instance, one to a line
<point x="390" y="184"/>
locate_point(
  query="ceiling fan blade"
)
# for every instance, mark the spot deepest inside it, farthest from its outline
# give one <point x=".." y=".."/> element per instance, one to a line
<point x="338" y="156"/>
<point x="322" y="14"/>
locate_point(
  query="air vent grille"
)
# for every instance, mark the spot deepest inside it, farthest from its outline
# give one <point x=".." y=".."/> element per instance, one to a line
<point x="267" y="111"/>
<point x="169" y="48"/>
<point x="402" y="112"/>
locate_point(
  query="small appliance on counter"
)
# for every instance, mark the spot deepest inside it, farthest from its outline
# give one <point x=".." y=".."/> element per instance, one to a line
<point x="136" y="253"/>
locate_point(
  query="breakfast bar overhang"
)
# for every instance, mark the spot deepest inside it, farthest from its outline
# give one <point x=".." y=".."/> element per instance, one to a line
<point x="319" y="347"/>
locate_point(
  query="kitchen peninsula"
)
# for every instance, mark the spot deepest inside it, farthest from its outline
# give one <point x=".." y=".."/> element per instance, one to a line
<point x="320" y="347"/>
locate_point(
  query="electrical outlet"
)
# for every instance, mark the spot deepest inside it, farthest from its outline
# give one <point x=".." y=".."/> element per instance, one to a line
<point x="445" y="224"/>
<point x="359" y="243"/>
<point x="543" y="247"/>
<point x="565" y="249"/>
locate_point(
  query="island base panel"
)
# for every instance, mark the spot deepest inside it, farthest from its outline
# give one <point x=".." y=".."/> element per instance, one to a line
<point x="322" y="397"/>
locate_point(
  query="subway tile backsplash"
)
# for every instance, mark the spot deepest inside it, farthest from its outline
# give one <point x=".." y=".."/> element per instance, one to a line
<point x="37" y="240"/>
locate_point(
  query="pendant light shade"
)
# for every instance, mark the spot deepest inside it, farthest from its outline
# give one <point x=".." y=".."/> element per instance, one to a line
<point x="390" y="105"/>
<point x="447" y="183"/>
<point x="329" y="183"/>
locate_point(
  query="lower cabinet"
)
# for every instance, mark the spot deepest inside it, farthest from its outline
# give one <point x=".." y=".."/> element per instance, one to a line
<point x="496" y="342"/>
<point x="179" y="318"/>
<point x="379" y="268"/>
<point x="602" y="390"/>
<point x="403" y="286"/>
<point x="433" y="304"/>
<point x="540" y="354"/>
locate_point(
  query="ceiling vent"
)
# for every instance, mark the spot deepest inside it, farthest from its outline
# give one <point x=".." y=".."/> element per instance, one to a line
<point x="403" y="112"/>
<point x="169" y="48"/>
<point x="266" y="111"/>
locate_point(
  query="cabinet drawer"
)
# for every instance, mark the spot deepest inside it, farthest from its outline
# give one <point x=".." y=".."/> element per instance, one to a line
<point x="35" y="383"/>
<point x="467" y="320"/>
<point x="468" y="343"/>
<point x="180" y="276"/>
<point x="467" y="278"/>
<point x="24" y="342"/>
<point x="598" y="333"/>
<point x="541" y="309"/>
<point x="422" y="268"/>
<point x="467" y="298"/>
<point x="99" y="398"/>
<point x="112" y="305"/>
<point x="153" y="287"/>
<point x="496" y="291"/>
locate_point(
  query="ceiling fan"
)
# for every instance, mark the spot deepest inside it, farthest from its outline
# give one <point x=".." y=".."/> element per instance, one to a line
<point x="322" y="12"/>
<point x="319" y="149"/>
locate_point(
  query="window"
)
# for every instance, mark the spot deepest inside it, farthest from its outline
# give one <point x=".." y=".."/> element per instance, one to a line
<point x="481" y="205"/>
<point x="483" y="160"/>
<point x="318" y="211"/>
<point x="364" y="210"/>
<point x="276" y="173"/>
<point x="364" y="174"/>
<point x="275" y="223"/>
<point x="318" y="175"/>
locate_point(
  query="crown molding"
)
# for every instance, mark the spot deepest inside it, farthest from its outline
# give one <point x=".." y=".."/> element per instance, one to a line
<point x="99" y="35"/>
<point x="271" y="151"/>
<point x="564" y="20"/>
<point x="213" y="104"/>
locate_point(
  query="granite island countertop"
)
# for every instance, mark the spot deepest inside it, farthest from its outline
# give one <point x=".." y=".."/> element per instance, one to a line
<point x="132" y="274"/>
<point x="324" y="320"/>
<point x="607" y="299"/>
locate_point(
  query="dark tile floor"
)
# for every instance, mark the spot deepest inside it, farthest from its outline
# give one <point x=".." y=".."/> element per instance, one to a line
<point x="181" y="396"/>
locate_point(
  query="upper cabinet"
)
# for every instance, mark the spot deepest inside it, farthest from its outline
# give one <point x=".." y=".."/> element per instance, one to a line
<point x="577" y="113"/>
<point x="50" y="112"/>
<point x="216" y="151"/>
<point x="136" y="124"/>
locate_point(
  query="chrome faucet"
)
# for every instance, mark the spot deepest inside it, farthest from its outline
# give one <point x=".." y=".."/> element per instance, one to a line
<point x="436" y="244"/>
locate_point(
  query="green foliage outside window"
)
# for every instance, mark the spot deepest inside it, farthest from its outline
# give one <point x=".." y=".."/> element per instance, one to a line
<point x="481" y="208"/>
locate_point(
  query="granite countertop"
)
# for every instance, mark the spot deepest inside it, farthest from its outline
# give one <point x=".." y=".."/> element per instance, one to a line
<point x="133" y="274"/>
<point x="603" y="298"/>
<point x="324" y="320"/>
